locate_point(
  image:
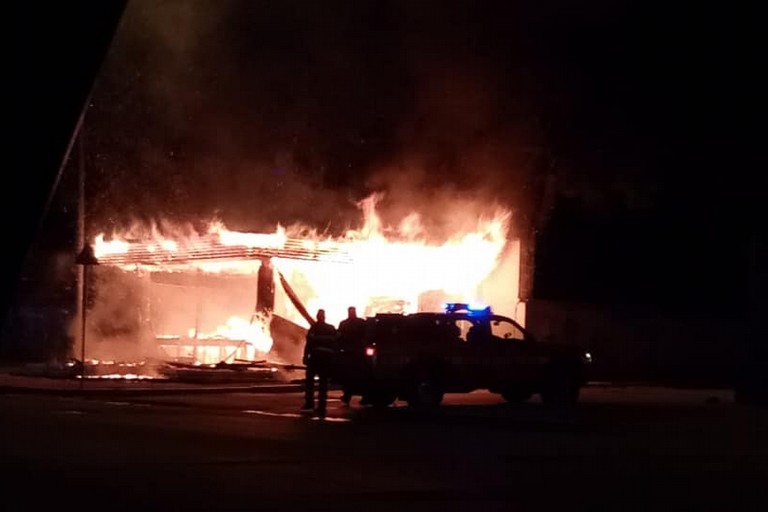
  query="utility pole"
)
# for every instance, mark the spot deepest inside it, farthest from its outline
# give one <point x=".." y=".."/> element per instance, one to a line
<point x="85" y="259"/>
<point x="80" y="228"/>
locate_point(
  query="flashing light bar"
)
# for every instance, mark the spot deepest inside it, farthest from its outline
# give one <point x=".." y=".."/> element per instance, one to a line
<point x="472" y="308"/>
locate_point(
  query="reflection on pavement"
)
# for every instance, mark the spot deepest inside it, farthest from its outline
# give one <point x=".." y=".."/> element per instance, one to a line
<point x="332" y="419"/>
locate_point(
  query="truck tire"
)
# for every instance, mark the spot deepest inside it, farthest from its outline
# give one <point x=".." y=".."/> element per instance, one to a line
<point x="425" y="391"/>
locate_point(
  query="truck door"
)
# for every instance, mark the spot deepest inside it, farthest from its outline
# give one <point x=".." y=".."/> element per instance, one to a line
<point x="476" y="354"/>
<point x="513" y="360"/>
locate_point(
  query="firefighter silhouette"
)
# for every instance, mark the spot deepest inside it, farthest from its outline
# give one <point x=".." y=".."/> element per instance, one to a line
<point x="318" y="355"/>
<point x="351" y="339"/>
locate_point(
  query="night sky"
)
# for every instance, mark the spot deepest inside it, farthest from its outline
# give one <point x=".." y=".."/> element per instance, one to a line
<point x="289" y="111"/>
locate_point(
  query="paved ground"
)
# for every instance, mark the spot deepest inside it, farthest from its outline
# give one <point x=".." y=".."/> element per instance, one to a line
<point x="21" y="379"/>
<point x="622" y="448"/>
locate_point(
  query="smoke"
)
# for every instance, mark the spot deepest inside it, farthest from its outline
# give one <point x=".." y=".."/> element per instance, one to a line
<point x="259" y="113"/>
<point x="266" y="112"/>
<point x="116" y="325"/>
<point x="131" y="313"/>
<point x="196" y="115"/>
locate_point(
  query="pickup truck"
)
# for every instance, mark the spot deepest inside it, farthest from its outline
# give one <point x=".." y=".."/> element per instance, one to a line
<point x="421" y="356"/>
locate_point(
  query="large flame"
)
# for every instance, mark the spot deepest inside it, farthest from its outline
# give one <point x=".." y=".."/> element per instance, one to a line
<point x="236" y="328"/>
<point x="374" y="268"/>
<point x="390" y="266"/>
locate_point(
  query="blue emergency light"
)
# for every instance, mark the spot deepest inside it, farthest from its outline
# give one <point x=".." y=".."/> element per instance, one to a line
<point x="472" y="309"/>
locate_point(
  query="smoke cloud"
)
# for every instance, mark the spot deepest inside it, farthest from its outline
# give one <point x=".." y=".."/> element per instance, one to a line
<point x="116" y="325"/>
<point x="259" y="113"/>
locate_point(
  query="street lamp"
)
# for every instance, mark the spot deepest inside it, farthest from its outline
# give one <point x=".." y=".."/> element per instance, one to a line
<point x="86" y="258"/>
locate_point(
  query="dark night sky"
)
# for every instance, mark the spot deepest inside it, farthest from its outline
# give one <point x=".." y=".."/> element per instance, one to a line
<point x="290" y="110"/>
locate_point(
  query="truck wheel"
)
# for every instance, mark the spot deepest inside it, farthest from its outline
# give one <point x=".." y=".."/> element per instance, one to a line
<point x="516" y="395"/>
<point x="426" y="393"/>
<point x="561" y="391"/>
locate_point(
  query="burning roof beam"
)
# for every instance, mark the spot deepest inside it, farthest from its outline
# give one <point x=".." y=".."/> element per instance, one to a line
<point x="210" y="248"/>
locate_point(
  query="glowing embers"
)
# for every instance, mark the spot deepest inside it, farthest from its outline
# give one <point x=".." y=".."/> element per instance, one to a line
<point x="116" y="370"/>
<point x="122" y="376"/>
<point x="206" y="351"/>
<point x="236" y="339"/>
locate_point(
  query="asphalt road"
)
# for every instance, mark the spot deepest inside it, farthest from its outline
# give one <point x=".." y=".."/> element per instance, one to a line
<point x="620" y="449"/>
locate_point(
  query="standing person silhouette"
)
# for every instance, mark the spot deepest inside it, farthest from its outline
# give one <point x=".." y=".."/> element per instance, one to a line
<point x="318" y="353"/>
<point x="351" y="332"/>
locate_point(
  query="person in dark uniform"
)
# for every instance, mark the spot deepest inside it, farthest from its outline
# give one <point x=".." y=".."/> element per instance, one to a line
<point x="318" y="352"/>
<point x="480" y="332"/>
<point x="351" y="332"/>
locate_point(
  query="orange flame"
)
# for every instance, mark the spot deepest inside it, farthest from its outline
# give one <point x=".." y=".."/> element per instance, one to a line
<point x="236" y="328"/>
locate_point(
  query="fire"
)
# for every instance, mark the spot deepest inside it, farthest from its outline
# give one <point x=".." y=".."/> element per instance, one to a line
<point x="402" y="265"/>
<point x="103" y="248"/>
<point x="375" y="268"/>
<point x="235" y="328"/>
<point x="276" y="240"/>
<point x="236" y="339"/>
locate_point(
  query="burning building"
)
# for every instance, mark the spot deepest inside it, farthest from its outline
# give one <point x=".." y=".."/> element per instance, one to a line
<point x="228" y="296"/>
